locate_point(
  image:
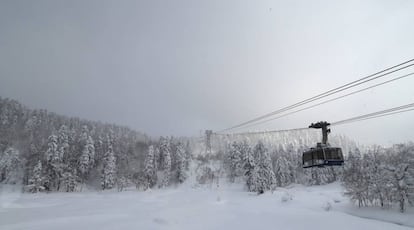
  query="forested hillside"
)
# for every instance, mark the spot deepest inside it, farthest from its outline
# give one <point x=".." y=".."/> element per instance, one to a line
<point x="49" y="152"/>
<point x="46" y="152"/>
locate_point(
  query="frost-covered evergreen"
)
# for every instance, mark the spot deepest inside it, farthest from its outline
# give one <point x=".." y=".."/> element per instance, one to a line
<point x="150" y="171"/>
<point x="69" y="180"/>
<point x="122" y="183"/>
<point x="109" y="170"/>
<point x="10" y="167"/>
<point x="52" y="154"/>
<point x="282" y="171"/>
<point x="86" y="160"/>
<point x="63" y="142"/>
<point x="36" y="181"/>
<point x="165" y="153"/>
<point x="181" y="163"/>
<point x="188" y="155"/>
<point x="249" y="167"/>
<point x="53" y="165"/>
<point x="235" y="161"/>
<point x="265" y="176"/>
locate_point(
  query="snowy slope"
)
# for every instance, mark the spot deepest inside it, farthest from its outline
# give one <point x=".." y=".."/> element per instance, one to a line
<point x="228" y="207"/>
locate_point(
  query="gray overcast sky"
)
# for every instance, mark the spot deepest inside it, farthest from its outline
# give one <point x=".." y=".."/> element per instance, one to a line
<point x="178" y="67"/>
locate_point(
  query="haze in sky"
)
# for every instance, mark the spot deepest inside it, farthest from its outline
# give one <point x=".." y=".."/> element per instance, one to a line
<point x="179" y="67"/>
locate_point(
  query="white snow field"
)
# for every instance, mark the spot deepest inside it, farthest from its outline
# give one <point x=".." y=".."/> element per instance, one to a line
<point x="229" y="207"/>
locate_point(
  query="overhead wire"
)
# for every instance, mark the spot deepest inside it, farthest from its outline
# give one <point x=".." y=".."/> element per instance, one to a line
<point x="377" y="114"/>
<point x="333" y="99"/>
<point x="360" y="81"/>
<point x="261" y="132"/>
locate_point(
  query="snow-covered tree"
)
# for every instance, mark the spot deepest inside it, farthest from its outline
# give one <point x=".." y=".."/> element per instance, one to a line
<point x="109" y="170"/>
<point x="52" y="154"/>
<point x="265" y="176"/>
<point x="401" y="165"/>
<point x="165" y="153"/>
<point x="150" y="171"/>
<point x="283" y="171"/>
<point x="187" y="155"/>
<point x="249" y="167"/>
<point x="235" y="162"/>
<point x="86" y="160"/>
<point x="36" y="181"/>
<point x="181" y="163"/>
<point x="354" y="180"/>
<point x="63" y="142"/>
<point x="69" y="180"/>
<point x="121" y="183"/>
<point x="10" y="167"/>
<point x="53" y="165"/>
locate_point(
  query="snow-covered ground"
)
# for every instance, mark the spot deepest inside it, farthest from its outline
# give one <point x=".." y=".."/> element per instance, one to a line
<point x="228" y="207"/>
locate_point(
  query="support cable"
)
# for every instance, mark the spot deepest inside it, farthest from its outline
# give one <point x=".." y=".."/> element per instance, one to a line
<point x="360" y="81"/>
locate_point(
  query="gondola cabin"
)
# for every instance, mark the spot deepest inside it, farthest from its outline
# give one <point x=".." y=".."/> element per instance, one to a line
<point x="323" y="155"/>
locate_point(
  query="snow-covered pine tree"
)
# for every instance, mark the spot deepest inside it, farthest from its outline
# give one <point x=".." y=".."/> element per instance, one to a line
<point x="249" y="167"/>
<point x="265" y="175"/>
<point x="52" y="154"/>
<point x="69" y="180"/>
<point x="36" y="181"/>
<point x="187" y="155"/>
<point x="86" y="160"/>
<point x="84" y="135"/>
<point x="121" y="183"/>
<point x="165" y="152"/>
<point x="53" y="164"/>
<point x="91" y="149"/>
<point x="109" y="170"/>
<point x="99" y="149"/>
<point x="11" y="167"/>
<point x="181" y="162"/>
<point x="234" y="162"/>
<point x="294" y="161"/>
<point x="150" y="172"/>
<point x="282" y="171"/>
<point x="63" y="142"/>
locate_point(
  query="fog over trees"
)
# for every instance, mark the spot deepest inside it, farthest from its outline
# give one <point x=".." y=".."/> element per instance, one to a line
<point x="46" y="152"/>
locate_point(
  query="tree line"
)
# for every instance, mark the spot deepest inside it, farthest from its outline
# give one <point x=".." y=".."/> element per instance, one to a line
<point x="376" y="177"/>
<point x="44" y="151"/>
<point x="381" y="176"/>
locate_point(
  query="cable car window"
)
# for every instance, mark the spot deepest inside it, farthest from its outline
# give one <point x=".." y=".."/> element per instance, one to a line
<point x="329" y="153"/>
<point x="320" y="154"/>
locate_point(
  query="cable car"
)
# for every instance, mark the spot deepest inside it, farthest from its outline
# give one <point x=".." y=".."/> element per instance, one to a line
<point x="323" y="155"/>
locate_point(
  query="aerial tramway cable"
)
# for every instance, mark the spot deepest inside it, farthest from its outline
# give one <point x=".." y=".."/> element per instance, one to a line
<point x="382" y="113"/>
<point x="352" y="84"/>
<point x="377" y="116"/>
<point x="386" y="112"/>
<point x="330" y="100"/>
<point x="260" y="132"/>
